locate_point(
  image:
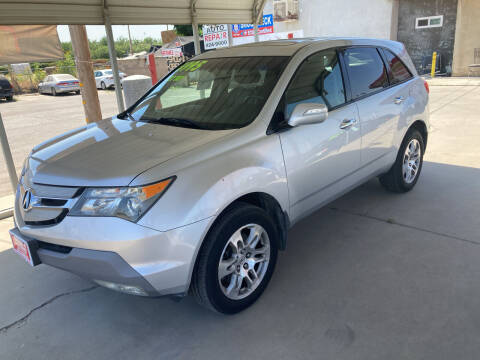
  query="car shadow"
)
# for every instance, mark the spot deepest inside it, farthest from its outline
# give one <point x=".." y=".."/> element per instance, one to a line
<point x="371" y="265"/>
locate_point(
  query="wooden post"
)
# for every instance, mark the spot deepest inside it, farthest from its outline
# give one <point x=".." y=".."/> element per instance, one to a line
<point x="88" y="88"/>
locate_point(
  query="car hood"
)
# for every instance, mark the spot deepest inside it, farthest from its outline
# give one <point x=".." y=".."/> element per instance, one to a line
<point x="111" y="152"/>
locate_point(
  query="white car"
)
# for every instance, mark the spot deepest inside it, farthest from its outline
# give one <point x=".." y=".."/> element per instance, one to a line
<point x="104" y="78"/>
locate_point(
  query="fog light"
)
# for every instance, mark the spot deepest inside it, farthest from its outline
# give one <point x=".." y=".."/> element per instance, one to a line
<point x="128" y="289"/>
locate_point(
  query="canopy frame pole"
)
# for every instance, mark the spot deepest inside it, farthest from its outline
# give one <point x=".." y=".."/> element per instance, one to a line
<point x="258" y="6"/>
<point x="230" y="36"/>
<point x="113" y="57"/>
<point x="196" y="37"/>
<point x="7" y="154"/>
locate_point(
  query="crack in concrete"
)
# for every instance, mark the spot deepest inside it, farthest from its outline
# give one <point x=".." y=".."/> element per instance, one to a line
<point x="24" y="319"/>
<point x="393" y="222"/>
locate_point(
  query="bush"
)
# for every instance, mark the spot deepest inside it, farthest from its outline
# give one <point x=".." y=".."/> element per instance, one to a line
<point x="67" y="66"/>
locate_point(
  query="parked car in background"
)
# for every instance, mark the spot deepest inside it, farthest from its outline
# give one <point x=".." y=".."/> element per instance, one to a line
<point x="192" y="189"/>
<point x="104" y="78"/>
<point x="59" y="83"/>
<point x="6" y="89"/>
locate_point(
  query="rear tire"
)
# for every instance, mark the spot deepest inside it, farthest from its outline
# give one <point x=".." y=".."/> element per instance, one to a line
<point x="9" y="98"/>
<point x="103" y="86"/>
<point x="77" y="92"/>
<point x="236" y="260"/>
<point x="404" y="173"/>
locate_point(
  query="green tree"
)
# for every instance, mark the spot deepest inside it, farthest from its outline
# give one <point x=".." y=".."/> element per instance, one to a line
<point x="67" y="65"/>
<point x="186" y="30"/>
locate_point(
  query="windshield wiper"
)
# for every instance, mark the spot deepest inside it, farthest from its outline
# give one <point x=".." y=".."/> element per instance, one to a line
<point x="124" y="114"/>
<point x="174" y="121"/>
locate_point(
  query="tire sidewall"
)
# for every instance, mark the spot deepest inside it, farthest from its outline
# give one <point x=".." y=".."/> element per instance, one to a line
<point x="412" y="134"/>
<point x="219" y="238"/>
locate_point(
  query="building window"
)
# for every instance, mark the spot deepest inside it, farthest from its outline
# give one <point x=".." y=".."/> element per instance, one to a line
<point x="429" y="22"/>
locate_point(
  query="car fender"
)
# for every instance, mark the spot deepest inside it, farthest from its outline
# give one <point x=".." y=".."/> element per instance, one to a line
<point x="417" y="110"/>
<point x="205" y="188"/>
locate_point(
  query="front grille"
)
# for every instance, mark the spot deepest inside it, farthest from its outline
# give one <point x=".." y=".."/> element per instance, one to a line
<point x="41" y="205"/>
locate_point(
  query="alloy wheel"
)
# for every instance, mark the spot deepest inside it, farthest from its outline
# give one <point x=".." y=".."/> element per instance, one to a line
<point x="244" y="261"/>
<point x="411" y="161"/>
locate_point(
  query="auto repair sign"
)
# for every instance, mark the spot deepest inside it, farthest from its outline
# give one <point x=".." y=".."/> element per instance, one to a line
<point x="242" y="30"/>
<point x="215" y="36"/>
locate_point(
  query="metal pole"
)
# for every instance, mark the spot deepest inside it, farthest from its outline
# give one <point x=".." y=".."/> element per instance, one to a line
<point x="230" y="37"/>
<point x="113" y="58"/>
<point x="434" y="64"/>
<point x="255" y="31"/>
<point x="7" y="154"/>
<point x="130" y="40"/>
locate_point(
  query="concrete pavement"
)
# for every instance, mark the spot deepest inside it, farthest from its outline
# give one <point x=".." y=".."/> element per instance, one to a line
<point x="33" y="118"/>
<point x="373" y="275"/>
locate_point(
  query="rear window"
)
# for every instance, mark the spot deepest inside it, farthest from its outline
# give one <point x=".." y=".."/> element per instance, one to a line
<point x="64" y="77"/>
<point x="397" y="70"/>
<point x="366" y="71"/>
<point x="4" y="81"/>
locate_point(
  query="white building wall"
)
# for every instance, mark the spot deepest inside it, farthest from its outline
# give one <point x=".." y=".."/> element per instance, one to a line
<point x="361" y="18"/>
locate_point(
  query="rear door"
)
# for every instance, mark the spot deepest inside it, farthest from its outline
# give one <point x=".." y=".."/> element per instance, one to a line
<point x="379" y="114"/>
<point x="98" y="74"/>
<point x="318" y="156"/>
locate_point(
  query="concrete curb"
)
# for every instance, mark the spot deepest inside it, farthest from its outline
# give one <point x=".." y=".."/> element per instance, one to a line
<point x="6" y="213"/>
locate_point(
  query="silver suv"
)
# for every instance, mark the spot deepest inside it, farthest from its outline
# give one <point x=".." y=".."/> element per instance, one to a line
<point x="194" y="187"/>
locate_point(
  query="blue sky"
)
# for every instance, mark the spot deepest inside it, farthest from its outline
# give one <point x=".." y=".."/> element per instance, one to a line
<point x="96" y="32"/>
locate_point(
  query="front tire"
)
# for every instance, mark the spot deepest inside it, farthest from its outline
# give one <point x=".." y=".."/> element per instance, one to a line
<point x="54" y="92"/>
<point x="404" y="173"/>
<point x="103" y="86"/>
<point x="236" y="260"/>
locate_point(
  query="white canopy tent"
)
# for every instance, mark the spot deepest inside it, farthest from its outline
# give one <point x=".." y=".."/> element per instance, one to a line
<point x="123" y="12"/>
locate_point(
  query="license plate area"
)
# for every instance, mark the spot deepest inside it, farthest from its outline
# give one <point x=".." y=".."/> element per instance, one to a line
<point x="25" y="248"/>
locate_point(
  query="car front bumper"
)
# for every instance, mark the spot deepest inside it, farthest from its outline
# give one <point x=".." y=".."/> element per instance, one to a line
<point x="120" y="255"/>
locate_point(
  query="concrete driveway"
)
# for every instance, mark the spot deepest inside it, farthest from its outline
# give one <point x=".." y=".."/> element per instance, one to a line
<point x="373" y="275"/>
<point x="33" y="118"/>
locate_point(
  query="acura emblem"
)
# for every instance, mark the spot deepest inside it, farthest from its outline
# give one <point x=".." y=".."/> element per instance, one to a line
<point x="26" y="201"/>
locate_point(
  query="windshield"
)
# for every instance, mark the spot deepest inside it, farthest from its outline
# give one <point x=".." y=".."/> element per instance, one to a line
<point x="64" y="77"/>
<point x="215" y="94"/>
<point x="108" y="72"/>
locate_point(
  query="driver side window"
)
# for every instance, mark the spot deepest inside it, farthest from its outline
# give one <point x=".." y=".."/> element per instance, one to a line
<point x="317" y="80"/>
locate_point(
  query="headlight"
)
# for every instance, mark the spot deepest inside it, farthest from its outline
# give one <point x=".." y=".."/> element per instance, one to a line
<point x="125" y="202"/>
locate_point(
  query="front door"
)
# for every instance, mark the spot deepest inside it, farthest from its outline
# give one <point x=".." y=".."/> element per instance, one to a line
<point x="319" y="157"/>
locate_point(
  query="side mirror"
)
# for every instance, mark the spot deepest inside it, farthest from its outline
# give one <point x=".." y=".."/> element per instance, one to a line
<point x="308" y="113"/>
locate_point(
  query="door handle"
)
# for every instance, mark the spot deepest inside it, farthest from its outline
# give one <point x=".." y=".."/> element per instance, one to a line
<point x="399" y="100"/>
<point x="347" y="123"/>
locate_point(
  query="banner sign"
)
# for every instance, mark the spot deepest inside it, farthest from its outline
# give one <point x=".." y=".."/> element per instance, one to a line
<point x="215" y="36"/>
<point x="242" y="30"/>
<point x="171" y="52"/>
<point x="29" y="43"/>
